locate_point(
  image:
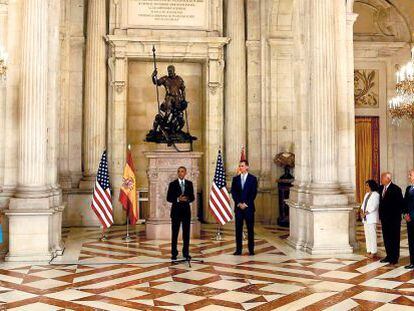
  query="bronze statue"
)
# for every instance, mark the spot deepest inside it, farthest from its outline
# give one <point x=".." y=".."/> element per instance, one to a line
<point x="170" y="119"/>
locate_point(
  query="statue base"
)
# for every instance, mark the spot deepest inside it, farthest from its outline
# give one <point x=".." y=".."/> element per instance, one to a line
<point x="162" y="169"/>
<point x="170" y="138"/>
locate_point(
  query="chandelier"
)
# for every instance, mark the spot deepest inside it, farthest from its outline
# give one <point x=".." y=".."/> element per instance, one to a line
<point x="3" y="63"/>
<point x="401" y="106"/>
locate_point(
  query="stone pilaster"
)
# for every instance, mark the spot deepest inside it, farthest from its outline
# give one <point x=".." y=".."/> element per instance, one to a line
<point x="350" y="104"/>
<point x="235" y="84"/>
<point x="53" y="94"/>
<point x="94" y="126"/>
<point x="29" y="212"/>
<point x="350" y="20"/>
<point x="3" y="36"/>
<point x="54" y="91"/>
<point x="325" y="213"/>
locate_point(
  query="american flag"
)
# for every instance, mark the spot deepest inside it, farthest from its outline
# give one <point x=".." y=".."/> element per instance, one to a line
<point x="219" y="201"/>
<point x="101" y="200"/>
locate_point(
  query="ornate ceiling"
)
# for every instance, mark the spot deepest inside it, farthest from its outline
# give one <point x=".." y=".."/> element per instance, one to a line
<point x="384" y="20"/>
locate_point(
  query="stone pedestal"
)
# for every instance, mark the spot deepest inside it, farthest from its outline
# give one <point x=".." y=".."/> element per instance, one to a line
<point x="162" y="169"/>
<point x="319" y="227"/>
<point x="29" y="230"/>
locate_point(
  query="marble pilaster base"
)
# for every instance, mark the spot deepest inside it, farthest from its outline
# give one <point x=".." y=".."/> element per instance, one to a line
<point x="57" y="245"/>
<point x="161" y="229"/>
<point x="321" y="229"/>
<point x="162" y="169"/>
<point x="30" y="227"/>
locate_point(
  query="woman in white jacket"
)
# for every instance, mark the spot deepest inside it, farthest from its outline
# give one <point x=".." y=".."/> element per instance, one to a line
<point x="370" y="216"/>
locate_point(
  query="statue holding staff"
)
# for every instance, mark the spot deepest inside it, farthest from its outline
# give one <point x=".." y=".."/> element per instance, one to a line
<point x="171" y="116"/>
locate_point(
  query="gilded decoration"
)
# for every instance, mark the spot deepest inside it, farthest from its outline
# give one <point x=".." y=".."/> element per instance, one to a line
<point x="366" y="83"/>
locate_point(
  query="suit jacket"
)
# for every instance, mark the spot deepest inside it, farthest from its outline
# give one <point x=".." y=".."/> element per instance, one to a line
<point x="391" y="204"/>
<point x="180" y="209"/>
<point x="409" y="202"/>
<point x="247" y="195"/>
<point x="372" y="206"/>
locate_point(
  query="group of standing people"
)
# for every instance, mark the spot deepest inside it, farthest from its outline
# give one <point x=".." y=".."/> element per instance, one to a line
<point x="181" y="193"/>
<point x="386" y="204"/>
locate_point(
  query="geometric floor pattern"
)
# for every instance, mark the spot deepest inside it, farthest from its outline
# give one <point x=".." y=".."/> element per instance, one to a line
<point x="115" y="275"/>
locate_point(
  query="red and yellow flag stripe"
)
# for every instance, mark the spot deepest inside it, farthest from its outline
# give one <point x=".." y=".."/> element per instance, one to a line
<point x="128" y="192"/>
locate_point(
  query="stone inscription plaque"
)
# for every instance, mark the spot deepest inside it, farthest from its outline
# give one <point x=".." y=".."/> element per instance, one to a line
<point x="168" y="13"/>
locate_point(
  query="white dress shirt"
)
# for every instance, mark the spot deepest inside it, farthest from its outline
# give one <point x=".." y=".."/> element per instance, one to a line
<point x="385" y="189"/>
<point x="243" y="179"/>
<point x="181" y="182"/>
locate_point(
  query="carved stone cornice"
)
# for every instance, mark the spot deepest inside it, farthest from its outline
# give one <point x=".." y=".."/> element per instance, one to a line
<point x="377" y="49"/>
<point x="181" y="48"/>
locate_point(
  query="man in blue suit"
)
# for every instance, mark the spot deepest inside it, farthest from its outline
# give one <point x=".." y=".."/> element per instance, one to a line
<point x="244" y="191"/>
<point x="408" y="211"/>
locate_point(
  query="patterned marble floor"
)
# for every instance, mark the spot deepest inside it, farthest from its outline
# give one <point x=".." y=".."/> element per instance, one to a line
<point x="115" y="275"/>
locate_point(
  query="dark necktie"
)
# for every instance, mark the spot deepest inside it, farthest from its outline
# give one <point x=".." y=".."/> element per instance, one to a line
<point x="365" y="205"/>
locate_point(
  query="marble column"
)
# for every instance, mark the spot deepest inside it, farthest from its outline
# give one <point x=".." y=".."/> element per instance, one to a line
<point x="29" y="212"/>
<point x="323" y="96"/>
<point x="235" y="84"/>
<point x="94" y="126"/>
<point x="325" y="212"/>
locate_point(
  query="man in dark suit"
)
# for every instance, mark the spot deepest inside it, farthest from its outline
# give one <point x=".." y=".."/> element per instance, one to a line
<point x="180" y="194"/>
<point x="244" y="191"/>
<point x="409" y="216"/>
<point x="391" y="204"/>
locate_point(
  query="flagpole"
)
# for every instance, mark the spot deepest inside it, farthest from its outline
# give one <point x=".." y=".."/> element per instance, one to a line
<point x="218" y="236"/>
<point x="127" y="237"/>
<point x="103" y="236"/>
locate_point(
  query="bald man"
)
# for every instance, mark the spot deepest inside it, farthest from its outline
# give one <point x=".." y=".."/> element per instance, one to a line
<point x="408" y="212"/>
<point x="390" y="209"/>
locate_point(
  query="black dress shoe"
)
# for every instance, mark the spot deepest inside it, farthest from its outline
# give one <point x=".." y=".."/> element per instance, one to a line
<point x="174" y="257"/>
<point x="410" y="266"/>
<point x="237" y="253"/>
<point x="188" y="257"/>
<point x="251" y="253"/>
<point x="383" y="260"/>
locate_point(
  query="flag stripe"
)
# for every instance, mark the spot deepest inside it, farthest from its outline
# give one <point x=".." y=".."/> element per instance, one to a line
<point x="104" y="195"/>
<point x="219" y="199"/>
<point x="223" y="202"/>
<point x="100" y="196"/>
<point x="101" y="209"/>
<point x="219" y="205"/>
<point x="128" y="191"/>
<point x="101" y="199"/>
<point x="215" y="213"/>
<point x="97" y="209"/>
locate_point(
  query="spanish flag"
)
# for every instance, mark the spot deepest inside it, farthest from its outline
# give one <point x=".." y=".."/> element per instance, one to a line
<point x="242" y="158"/>
<point x="128" y="193"/>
